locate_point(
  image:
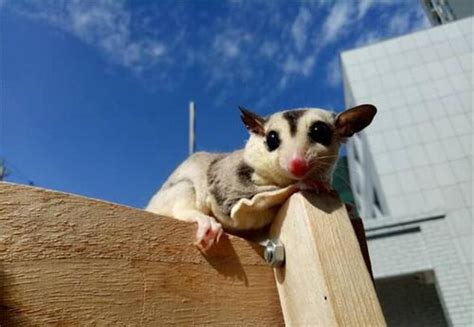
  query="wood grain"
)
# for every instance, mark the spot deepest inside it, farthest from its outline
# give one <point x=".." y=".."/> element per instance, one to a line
<point x="325" y="281"/>
<point x="69" y="260"/>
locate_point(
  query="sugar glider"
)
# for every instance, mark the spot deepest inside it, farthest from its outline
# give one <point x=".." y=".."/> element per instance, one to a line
<point x="298" y="146"/>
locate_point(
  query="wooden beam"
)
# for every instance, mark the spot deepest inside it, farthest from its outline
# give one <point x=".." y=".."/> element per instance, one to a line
<point x="325" y="281"/>
<point x="70" y="260"/>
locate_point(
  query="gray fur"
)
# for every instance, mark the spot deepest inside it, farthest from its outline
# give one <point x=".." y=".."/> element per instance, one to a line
<point x="214" y="181"/>
<point x="292" y="117"/>
<point x="229" y="180"/>
<point x="244" y="171"/>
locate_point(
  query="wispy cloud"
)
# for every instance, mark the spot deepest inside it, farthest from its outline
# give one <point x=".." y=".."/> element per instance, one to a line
<point x="250" y="44"/>
<point x="334" y="72"/>
<point x="368" y="38"/>
<point x="401" y="18"/>
<point x="268" y="49"/>
<point x="363" y="6"/>
<point x="344" y="16"/>
<point x="297" y="58"/>
<point x="299" y="29"/>
<point x="294" y="67"/>
<point x="229" y="43"/>
<point x="406" y="20"/>
<point x="399" y="23"/>
<point x="227" y="58"/>
<point x="105" y="24"/>
<point x="303" y="67"/>
<point x="335" y="23"/>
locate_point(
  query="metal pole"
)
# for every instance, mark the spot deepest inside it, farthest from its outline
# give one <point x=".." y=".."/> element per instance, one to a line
<point x="192" y="119"/>
<point x="2" y="170"/>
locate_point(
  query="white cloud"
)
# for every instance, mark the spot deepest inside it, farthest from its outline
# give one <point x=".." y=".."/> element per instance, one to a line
<point x="299" y="29"/>
<point x="363" y="6"/>
<point x="226" y="58"/>
<point x="333" y="73"/>
<point x="367" y="39"/>
<point x="400" y="23"/>
<point x="105" y="24"/>
<point x="227" y="47"/>
<point x="336" y="22"/>
<point x="228" y="42"/>
<point x="269" y="49"/>
<point x="303" y="66"/>
<point x="345" y="16"/>
<point x="252" y="45"/>
<point x="247" y="52"/>
<point x="293" y="67"/>
<point x="404" y="20"/>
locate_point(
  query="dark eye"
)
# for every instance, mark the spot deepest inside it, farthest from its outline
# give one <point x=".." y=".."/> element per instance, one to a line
<point x="273" y="140"/>
<point x="320" y="132"/>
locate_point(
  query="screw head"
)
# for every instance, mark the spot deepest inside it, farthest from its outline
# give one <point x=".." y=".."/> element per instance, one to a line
<point x="274" y="253"/>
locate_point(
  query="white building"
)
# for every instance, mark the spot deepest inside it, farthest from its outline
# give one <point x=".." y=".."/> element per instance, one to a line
<point x="411" y="171"/>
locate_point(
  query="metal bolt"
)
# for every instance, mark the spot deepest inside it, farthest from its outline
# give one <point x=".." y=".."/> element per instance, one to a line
<point x="274" y="253"/>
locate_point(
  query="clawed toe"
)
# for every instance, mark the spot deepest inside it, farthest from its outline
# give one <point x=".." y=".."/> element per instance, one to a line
<point x="209" y="232"/>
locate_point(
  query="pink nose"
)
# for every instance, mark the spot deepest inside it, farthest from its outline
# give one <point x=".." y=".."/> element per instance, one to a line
<point x="298" y="167"/>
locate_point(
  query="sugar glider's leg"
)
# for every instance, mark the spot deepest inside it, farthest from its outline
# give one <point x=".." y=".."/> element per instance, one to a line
<point x="209" y="230"/>
<point x="179" y="201"/>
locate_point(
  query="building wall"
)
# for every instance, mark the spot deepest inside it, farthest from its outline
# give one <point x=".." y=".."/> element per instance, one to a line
<point x="411" y="170"/>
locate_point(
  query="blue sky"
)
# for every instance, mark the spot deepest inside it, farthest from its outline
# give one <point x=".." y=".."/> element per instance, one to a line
<point x="94" y="94"/>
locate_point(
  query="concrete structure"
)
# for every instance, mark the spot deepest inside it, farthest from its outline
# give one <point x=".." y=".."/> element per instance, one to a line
<point x="445" y="11"/>
<point x="411" y="170"/>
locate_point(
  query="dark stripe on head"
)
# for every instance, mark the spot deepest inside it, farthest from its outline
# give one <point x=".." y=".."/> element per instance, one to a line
<point x="244" y="173"/>
<point x="292" y="117"/>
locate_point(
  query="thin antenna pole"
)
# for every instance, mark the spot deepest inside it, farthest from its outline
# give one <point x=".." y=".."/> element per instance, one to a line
<point x="192" y="120"/>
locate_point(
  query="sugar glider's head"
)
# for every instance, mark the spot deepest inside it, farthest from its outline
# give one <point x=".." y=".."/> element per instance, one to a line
<point x="300" y="144"/>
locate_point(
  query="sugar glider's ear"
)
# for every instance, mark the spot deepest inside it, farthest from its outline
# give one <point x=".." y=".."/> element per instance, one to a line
<point x="253" y="122"/>
<point x="354" y="120"/>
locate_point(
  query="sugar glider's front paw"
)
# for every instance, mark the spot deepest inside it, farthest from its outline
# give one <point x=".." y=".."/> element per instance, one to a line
<point x="209" y="232"/>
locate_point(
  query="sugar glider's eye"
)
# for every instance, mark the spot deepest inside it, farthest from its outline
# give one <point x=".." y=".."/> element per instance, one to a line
<point x="320" y="132"/>
<point x="273" y="140"/>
